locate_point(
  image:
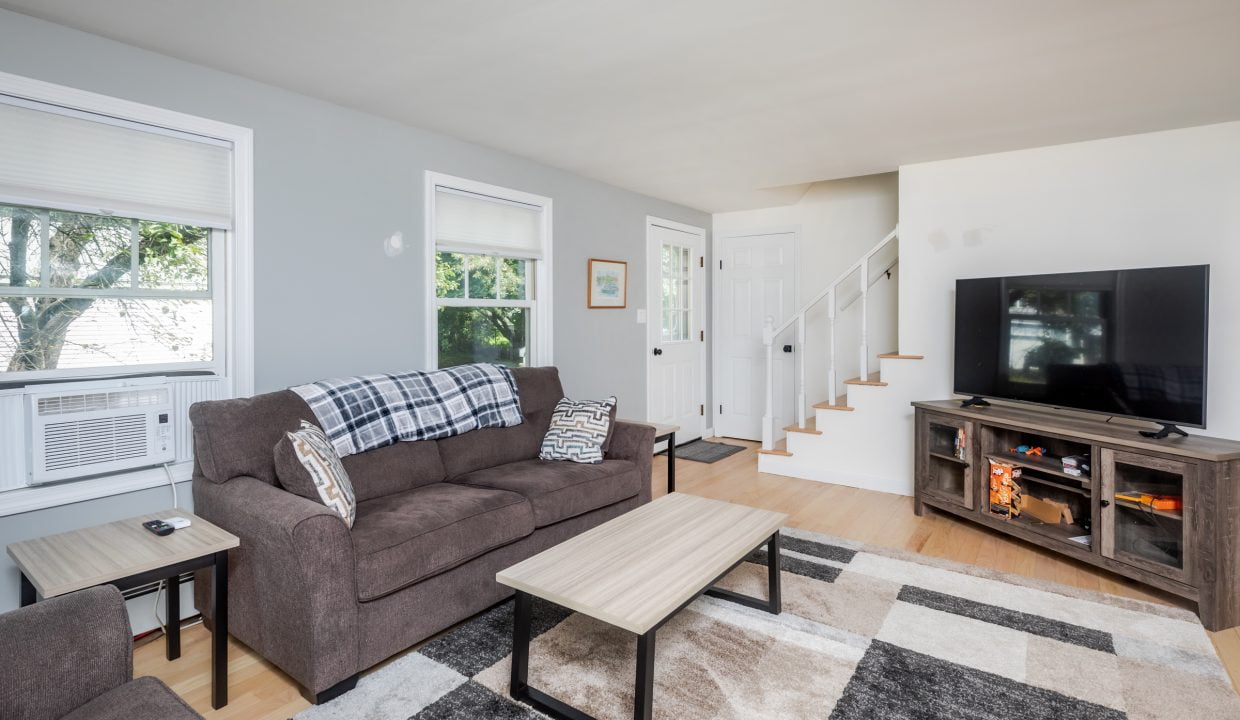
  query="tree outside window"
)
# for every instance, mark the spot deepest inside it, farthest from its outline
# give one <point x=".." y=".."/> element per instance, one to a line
<point x="484" y="309"/>
<point x="81" y="291"/>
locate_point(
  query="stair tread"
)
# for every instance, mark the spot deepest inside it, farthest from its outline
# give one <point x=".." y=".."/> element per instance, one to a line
<point x="809" y="428"/>
<point x="898" y="356"/>
<point x="780" y="448"/>
<point x="873" y="379"/>
<point x="841" y="403"/>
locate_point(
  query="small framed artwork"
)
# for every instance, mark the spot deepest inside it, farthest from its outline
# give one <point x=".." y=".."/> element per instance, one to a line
<point x="608" y="281"/>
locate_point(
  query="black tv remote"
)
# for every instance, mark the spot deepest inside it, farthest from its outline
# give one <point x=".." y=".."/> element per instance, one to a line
<point x="159" y="527"/>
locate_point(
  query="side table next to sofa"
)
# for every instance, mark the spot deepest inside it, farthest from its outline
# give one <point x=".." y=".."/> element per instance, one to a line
<point x="127" y="555"/>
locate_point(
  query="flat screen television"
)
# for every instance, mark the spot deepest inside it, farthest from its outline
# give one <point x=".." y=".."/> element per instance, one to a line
<point x="1119" y="342"/>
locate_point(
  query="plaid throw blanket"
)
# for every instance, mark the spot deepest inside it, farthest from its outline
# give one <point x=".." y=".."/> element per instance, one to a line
<point x="371" y="411"/>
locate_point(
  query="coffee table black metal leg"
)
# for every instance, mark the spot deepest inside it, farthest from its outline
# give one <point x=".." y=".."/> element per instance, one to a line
<point x="28" y="592"/>
<point x="520" y="646"/>
<point x="219" y="633"/>
<point x="172" y="639"/>
<point x="774" y="601"/>
<point x="671" y="463"/>
<point x="643" y="695"/>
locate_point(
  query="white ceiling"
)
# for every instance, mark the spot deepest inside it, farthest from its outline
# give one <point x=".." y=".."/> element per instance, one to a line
<point x="719" y="104"/>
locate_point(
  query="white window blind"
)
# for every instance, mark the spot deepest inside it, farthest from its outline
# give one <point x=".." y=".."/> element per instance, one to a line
<point x="471" y="223"/>
<point x="55" y="157"/>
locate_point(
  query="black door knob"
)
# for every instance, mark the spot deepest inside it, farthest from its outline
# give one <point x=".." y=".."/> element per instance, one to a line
<point x="658" y="351"/>
<point x="787" y="348"/>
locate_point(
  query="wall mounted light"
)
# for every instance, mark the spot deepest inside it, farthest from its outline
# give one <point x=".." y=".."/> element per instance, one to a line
<point x="394" y="244"/>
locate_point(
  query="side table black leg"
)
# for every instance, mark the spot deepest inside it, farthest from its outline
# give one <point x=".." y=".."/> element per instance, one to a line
<point x="219" y="632"/>
<point x="172" y="639"/>
<point x="520" y="647"/>
<point x="643" y="695"/>
<point x="671" y="463"/>
<point x="28" y="593"/>
<point x="772" y="574"/>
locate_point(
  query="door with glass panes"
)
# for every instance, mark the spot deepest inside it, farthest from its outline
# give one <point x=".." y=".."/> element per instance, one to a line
<point x="676" y="354"/>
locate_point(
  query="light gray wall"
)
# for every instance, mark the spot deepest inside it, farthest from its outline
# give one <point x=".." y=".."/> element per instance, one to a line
<point x="329" y="184"/>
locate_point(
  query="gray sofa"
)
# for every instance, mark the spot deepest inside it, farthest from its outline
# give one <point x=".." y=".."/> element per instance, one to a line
<point x="435" y="521"/>
<point x="71" y="658"/>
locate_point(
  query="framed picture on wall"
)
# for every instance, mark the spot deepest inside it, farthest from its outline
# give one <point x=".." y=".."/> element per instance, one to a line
<point x="608" y="283"/>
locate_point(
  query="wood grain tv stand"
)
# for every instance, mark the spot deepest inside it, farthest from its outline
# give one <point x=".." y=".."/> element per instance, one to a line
<point x="1192" y="551"/>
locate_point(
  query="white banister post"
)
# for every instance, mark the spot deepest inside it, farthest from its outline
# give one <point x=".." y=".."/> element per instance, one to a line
<point x="801" y="370"/>
<point x="865" y="340"/>
<point x="831" y="377"/>
<point x="768" y="417"/>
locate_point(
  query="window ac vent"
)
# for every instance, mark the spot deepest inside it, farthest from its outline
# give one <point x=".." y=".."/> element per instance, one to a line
<point x="90" y="402"/>
<point x="79" y="434"/>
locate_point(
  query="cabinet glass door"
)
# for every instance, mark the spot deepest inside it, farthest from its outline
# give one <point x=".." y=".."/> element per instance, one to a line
<point x="947" y="462"/>
<point x="1147" y="510"/>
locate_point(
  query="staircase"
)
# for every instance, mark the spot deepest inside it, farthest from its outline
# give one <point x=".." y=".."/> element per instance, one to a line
<point x="860" y="434"/>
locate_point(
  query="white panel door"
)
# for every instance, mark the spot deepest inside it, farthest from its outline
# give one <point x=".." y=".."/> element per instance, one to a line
<point x="756" y="279"/>
<point x="677" y="357"/>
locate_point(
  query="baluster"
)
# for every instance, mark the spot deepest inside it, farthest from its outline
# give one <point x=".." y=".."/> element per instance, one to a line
<point x="800" y="358"/>
<point x="865" y="340"/>
<point x="768" y="417"/>
<point x="831" y="377"/>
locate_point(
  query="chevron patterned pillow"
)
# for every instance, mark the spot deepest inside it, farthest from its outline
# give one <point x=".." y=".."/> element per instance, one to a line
<point x="578" y="430"/>
<point x="307" y="465"/>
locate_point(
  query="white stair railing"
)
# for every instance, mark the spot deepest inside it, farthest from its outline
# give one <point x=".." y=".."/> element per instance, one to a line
<point x="770" y="332"/>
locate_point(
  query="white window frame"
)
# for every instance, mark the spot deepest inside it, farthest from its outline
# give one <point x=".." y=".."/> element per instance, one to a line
<point x="540" y="331"/>
<point x="232" y="250"/>
<point x="234" y="255"/>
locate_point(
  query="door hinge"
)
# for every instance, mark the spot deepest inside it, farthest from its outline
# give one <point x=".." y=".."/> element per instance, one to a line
<point x="702" y="335"/>
<point x="720" y="264"/>
<point x="702" y="410"/>
<point x="720" y="409"/>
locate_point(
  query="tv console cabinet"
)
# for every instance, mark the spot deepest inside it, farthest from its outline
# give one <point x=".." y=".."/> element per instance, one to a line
<point x="1186" y="543"/>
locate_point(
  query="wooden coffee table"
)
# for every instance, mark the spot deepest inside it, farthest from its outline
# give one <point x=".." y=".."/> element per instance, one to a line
<point x="636" y="572"/>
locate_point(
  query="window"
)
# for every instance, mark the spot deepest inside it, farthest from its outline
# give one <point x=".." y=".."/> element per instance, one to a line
<point x="81" y="291"/>
<point x="677" y="305"/>
<point x="491" y="258"/>
<point x="113" y="234"/>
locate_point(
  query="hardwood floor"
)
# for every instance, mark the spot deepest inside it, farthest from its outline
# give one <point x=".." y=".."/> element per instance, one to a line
<point x="259" y="691"/>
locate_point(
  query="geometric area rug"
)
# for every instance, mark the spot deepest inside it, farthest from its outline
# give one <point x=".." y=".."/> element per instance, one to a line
<point x="866" y="633"/>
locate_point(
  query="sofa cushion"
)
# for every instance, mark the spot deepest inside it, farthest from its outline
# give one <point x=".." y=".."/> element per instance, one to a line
<point x="409" y="536"/>
<point x="393" y="469"/>
<point x="145" y="697"/>
<point x="539" y="390"/>
<point x="236" y="437"/>
<point x="307" y="465"/>
<point x="559" y="490"/>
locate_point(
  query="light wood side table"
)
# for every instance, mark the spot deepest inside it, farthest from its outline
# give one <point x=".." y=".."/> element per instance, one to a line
<point x="663" y="432"/>
<point x="127" y="555"/>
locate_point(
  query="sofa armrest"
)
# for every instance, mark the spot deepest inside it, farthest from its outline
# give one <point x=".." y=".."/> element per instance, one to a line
<point x="63" y="652"/>
<point x="634" y="442"/>
<point x="292" y="585"/>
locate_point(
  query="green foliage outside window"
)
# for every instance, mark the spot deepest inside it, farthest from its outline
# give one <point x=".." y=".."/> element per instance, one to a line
<point x="482" y="333"/>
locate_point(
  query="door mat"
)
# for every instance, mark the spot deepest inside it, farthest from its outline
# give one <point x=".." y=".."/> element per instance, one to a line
<point x="705" y="452"/>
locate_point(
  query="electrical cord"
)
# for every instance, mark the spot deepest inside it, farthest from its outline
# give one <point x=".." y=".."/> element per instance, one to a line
<point x="159" y="591"/>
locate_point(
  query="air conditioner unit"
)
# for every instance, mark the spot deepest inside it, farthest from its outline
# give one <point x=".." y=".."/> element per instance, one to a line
<point x="89" y="429"/>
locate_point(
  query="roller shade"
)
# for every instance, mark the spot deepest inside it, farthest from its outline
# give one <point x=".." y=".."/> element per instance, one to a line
<point x="54" y="157"/>
<point x="472" y="223"/>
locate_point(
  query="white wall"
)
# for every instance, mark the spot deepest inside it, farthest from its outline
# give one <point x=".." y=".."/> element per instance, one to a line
<point x="837" y="221"/>
<point x="1166" y="198"/>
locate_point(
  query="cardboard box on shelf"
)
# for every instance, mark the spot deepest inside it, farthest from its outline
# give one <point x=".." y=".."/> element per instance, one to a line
<point x="1050" y="513"/>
